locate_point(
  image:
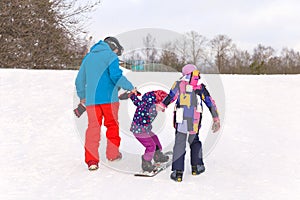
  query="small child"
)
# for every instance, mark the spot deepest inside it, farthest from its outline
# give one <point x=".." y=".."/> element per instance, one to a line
<point x="141" y="127"/>
<point x="189" y="94"/>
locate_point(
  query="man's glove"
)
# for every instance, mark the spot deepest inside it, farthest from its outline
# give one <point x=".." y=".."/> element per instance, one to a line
<point x="216" y="125"/>
<point x="79" y="110"/>
<point x="126" y="95"/>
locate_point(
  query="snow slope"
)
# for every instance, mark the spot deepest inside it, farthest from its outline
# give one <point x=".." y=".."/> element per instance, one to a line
<point x="256" y="157"/>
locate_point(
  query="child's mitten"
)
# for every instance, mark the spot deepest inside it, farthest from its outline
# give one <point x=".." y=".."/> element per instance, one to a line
<point x="216" y="125"/>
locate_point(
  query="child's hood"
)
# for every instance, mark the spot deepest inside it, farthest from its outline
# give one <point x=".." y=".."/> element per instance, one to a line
<point x="149" y="98"/>
<point x="154" y="97"/>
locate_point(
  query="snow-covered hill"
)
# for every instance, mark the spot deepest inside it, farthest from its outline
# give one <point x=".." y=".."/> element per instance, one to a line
<point x="256" y="156"/>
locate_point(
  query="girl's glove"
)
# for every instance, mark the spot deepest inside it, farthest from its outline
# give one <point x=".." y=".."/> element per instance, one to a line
<point x="216" y="125"/>
<point x="79" y="110"/>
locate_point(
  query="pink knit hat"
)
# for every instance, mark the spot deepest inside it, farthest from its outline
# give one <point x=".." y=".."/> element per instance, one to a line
<point x="187" y="69"/>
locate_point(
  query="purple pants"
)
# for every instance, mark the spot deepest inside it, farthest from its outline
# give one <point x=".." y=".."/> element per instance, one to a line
<point x="149" y="141"/>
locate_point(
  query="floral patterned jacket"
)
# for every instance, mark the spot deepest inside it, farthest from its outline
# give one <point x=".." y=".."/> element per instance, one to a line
<point x="145" y="113"/>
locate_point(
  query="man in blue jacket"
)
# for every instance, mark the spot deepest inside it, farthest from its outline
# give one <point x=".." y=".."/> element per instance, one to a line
<point x="97" y="84"/>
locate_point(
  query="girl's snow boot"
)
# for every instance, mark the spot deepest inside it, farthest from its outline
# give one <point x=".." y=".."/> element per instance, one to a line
<point x="147" y="165"/>
<point x="160" y="157"/>
<point x="198" y="169"/>
<point x="177" y="175"/>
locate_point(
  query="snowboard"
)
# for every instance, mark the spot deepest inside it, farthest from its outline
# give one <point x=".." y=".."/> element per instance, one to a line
<point x="158" y="167"/>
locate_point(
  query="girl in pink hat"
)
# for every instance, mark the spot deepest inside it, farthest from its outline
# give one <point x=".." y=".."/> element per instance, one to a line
<point x="190" y="95"/>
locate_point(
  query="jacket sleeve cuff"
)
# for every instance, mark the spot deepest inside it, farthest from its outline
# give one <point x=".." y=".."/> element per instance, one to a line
<point x="216" y="119"/>
<point x="162" y="105"/>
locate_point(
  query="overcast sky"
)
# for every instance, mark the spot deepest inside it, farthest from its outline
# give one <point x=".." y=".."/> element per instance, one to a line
<point x="273" y="23"/>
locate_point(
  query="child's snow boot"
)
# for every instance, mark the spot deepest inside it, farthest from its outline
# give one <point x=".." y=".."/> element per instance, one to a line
<point x="160" y="157"/>
<point x="198" y="169"/>
<point x="177" y="175"/>
<point x="147" y="165"/>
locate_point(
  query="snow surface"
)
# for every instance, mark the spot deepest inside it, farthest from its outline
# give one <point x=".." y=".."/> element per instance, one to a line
<point x="42" y="157"/>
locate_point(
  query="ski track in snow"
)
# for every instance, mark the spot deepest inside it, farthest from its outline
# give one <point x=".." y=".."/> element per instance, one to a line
<point x="42" y="157"/>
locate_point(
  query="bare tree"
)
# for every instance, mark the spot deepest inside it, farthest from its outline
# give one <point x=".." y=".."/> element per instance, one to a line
<point x="260" y="58"/>
<point x="240" y="61"/>
<point x="182" y="49"/>
<point x="290" y="60"/>
<point x="150" y="50"/>
<point x="169" y="57"/>
<point x="222" y="47"/>
<point x="197" y="44"/>
<point x="274" y="66"/>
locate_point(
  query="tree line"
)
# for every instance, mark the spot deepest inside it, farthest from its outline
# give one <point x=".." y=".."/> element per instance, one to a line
<point x="43" y="34"/>
<point x="218" y="55"/>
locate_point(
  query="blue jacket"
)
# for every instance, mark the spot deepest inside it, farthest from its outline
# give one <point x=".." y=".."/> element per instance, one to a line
<point x="100" y="77"/>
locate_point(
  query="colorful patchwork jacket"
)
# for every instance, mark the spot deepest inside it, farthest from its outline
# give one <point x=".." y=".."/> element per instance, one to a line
<point x="188" y="109"/>
<point x="145" y="113"/>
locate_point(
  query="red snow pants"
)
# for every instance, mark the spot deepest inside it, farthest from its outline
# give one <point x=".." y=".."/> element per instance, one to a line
<point x="96" y="113"/>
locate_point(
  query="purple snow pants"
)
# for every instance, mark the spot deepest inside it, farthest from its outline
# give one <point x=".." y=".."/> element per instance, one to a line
<point x="150" y="141"/>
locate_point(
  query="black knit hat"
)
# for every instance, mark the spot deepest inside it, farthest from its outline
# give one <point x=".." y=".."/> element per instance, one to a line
<point x="114" y="44"/>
